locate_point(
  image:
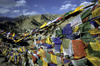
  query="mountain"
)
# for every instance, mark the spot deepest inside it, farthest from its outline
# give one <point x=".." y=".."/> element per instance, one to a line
<point x="20" y="17"/>
<point x="11" y="19"/>
<point x="23" y="23"/>
<point x="35" y="21"/>
<point x="5" y="19"/>
<point x="51" y="16"/>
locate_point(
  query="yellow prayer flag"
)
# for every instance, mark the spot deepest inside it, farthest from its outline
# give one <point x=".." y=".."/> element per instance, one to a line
<point x="76" y="29"/>
<point x="41" y="58"/>
<point x="16" y="53"/>
<point x="23" y="49"/>
<point x="95" y="13"/>
<point x="44" y="25"/>
<point x="23" y="64"/>
<point x="77" y="57"/>
<point x="94" y="31"/>
<point x="98" y="1"/>
<point x="30" y="36"/>
<point x="0" y="39"/>
<point x="26" y="34"/>
<point x="10" y="58"/>
<point x="95" y="46"/>
<point x="54" y="59"/>
<point x="61" y="49"/>
<point x="20" y="49"/>
<point x="99" y="35"/>
<point x="77" y="9"/>
<point x="15" y="41"/>
<point x="48" y="40"/>
<point x="17" y="59"/>
<point x="3" y="32"/>
<point x="18" y="40"/>
<point x="59" y="64"/>
<point x="41" y="52"/>
<point x="13" y="58"/>
<point x="94" y="60"/>
<point x="45" y="63"/>
<point x="88" y="55"/>
<point x="35" y="64"/>
<point x="5" y="51"/>
<point x="13" y="34"/>
<point x="98" y="43"/>
<point x="67" y="64"/>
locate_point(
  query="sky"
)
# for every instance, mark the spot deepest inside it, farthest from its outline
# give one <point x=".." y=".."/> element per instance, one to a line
<point x="13" y="8"/>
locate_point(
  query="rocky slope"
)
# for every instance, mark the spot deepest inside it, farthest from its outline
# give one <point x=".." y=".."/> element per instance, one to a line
<point x="27" y="23"/>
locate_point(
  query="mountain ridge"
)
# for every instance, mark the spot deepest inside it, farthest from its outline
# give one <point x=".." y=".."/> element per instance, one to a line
<point x="24" y="23"/>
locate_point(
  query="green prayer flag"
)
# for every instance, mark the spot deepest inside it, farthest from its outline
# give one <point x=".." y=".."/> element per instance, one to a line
<point x="66" y="43"/>
<point x="90" y="17"/>
<point x="85" y="27"/>
<point x="86" y="13"/>
<point x="66" y="14"/>
<point x="48" y="57"/>
<point x="39" y="62"/>
<point x="87" y="37"/>
<point x="59" y="33"/>
<point x="80" y="62"/>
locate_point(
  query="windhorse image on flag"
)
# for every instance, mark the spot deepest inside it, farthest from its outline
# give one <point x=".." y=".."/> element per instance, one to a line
<point x="49" y="33"/>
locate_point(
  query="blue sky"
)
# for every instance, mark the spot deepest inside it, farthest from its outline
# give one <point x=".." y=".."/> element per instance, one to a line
<point x="13" y="8"/>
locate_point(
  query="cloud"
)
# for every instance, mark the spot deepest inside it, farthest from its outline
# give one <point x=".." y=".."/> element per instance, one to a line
<point x="35" y="5"/>
<point x="15" y="11"/>
<point x="66" y="6"/>
<point x="3" y="10"/>
<point x="31" y="13"/>
<point x="67" y="1"/>
<point x="21" y="3"/>
<point x="12" y="3"/>
<point x="25" y="12"/>
<point x="84" y="3"/>
<point x="73" y="8"/>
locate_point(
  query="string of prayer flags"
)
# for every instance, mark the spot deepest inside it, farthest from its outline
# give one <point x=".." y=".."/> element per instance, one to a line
<point x="44" y="25"/>
<point x="75" y="42"/>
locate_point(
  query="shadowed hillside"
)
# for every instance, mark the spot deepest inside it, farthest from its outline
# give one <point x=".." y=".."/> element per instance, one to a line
<point x="25" y="22"/>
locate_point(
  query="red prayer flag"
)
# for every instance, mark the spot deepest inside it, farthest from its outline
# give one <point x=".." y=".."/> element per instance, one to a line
<point x="78" y="48"/>
<point x="34" y="59"/>
<point x="43" y="41"/>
